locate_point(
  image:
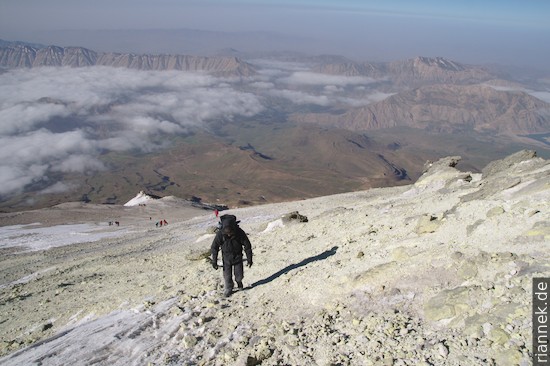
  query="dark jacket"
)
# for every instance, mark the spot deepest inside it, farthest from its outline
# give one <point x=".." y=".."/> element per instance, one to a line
<point x="232" y="248"/>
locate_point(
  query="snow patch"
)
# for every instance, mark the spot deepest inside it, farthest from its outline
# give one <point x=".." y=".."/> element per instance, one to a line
<point x="204" y="237"/>
<point x="273" y="225"/>
<point x="41" y="238"/>
<point x="140" y="199"/>
<point x="27" y="278"/>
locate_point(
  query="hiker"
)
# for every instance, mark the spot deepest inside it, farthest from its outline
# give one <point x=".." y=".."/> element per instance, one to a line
<point x="231" y="239"/>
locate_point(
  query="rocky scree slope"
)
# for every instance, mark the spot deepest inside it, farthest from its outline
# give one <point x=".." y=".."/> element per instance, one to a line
<point x="434" y="273"/>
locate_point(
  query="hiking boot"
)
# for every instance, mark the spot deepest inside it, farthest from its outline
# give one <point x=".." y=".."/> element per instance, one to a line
<point x="240" y="285"/>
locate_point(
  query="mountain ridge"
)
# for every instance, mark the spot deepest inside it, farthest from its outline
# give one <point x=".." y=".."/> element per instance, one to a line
<point x="416" y="71"/>
<point x="412" y="72"/>
<point x="446" y="107"/>
<point x="24" y="56"/>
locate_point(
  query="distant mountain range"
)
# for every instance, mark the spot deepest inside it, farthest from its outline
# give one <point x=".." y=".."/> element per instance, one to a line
<point x="405" y="73"/>
<point x="411" y="72"/>
<point x="24" y="56"/>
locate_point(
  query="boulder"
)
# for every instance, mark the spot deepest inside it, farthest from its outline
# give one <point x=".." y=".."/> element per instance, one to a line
<point x="495" y="211"/>
<point x="540" y="229"/>
<point x="442" y="176"/>
<point x="448" y="303"/>
<point x="467" y="270"/>
<point x="427" y="224"/>
<point x="498" y="166"/>
<point x="294" y="216"/>
<point x="449" y="161"/>
<point x="521" y="173"/>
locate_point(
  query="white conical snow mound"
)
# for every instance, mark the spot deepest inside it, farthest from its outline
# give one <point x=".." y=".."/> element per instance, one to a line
<point x="141" y="198"/>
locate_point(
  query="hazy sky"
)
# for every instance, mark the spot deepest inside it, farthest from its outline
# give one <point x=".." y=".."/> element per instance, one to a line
<point x="475" y="31"/>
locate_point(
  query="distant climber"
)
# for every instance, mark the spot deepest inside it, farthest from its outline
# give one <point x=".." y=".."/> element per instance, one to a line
<point x="231" y="239"/>
<point x="161" y="222"/>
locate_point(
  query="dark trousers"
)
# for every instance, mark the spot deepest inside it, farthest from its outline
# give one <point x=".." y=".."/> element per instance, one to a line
<point x="231" y="267"/>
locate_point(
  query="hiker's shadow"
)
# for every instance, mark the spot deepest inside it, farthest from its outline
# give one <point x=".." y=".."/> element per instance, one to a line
<point x="289" y="268"/>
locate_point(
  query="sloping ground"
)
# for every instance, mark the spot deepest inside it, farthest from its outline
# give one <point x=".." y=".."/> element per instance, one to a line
<point x="439" y="272"/>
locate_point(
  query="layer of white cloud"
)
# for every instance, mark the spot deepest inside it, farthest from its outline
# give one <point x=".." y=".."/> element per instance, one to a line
<point x="58" y="187"/>
<point x="267" y="65"/>
<point x="378" y="96"/>
<point x="60" y="119"/>
<point x="262" y="85"/>
<point x="299" y="97"/>
<point x="25" y="116"/>
<point x="542" y="95"/>
<point x="312" y="78"/>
